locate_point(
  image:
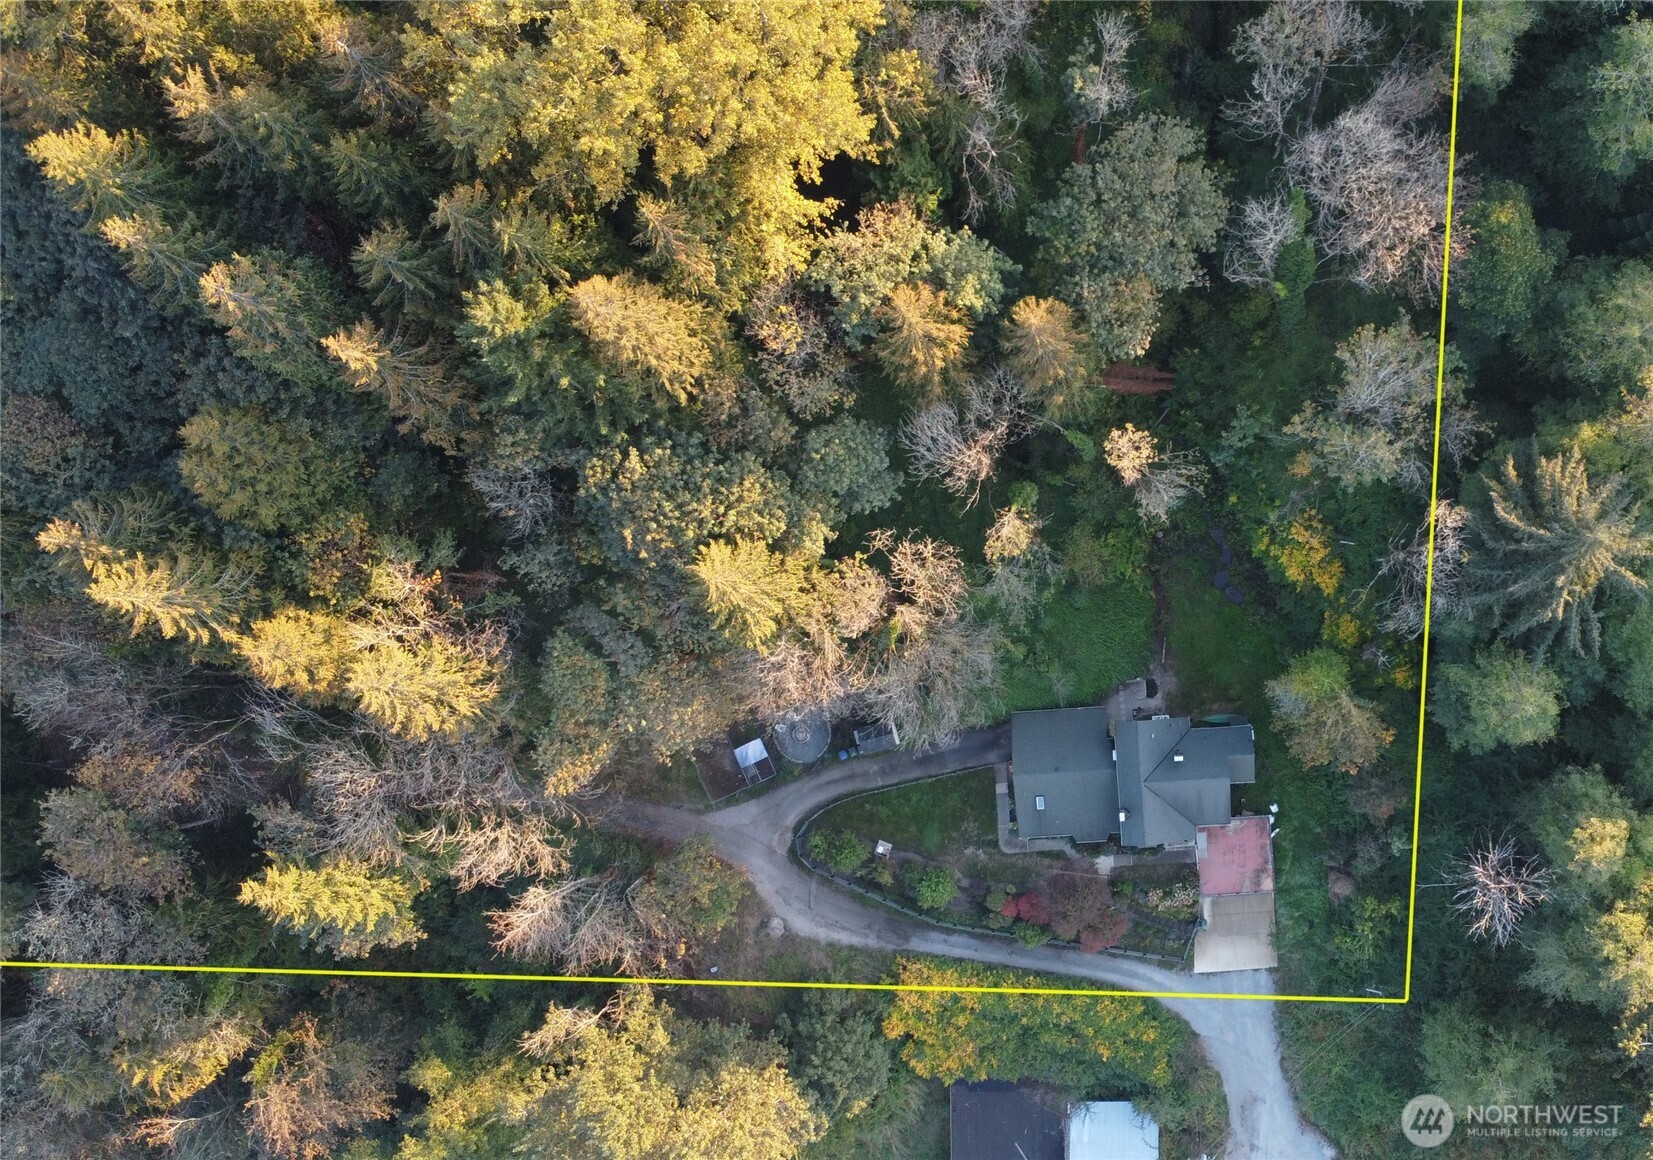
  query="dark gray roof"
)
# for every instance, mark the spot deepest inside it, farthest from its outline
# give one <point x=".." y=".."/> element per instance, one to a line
<point x="1065" y="757"/>
<point x="1174" y="778"/>
<point x="996" y="1120"/>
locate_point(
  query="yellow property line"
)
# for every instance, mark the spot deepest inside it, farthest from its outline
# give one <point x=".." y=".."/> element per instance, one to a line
<point x="1417" y="792"/>
<point x="633" y="980"/>
<point x="1434" y="486"/>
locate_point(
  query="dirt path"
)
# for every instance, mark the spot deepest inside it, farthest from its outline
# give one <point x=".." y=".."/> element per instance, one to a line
<point x="1239" y="1035"/>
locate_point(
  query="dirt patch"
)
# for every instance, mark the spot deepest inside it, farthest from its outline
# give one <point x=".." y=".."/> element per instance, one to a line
<point x="720" y="776"/>
<point x="638" y="775"/>
<point x="1340" y="884"/>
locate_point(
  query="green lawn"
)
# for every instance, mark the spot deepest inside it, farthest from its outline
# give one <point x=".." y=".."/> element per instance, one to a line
<point x="1224" y="653"/>
<point x="927" y="818"/>
<point x="1085" y="642"/>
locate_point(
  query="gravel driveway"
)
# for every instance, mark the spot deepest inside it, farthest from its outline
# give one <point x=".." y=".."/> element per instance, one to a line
<point x="1239" y="1035"/>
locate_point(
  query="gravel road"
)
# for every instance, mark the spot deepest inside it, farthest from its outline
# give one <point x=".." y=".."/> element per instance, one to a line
<point x="1238" y="1035"/>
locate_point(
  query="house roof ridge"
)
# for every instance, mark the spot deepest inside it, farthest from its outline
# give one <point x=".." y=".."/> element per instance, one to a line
<point x="1165" y="757"/>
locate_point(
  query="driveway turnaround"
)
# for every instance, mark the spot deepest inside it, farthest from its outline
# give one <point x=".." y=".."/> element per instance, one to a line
<point x="1239" y="1035"/>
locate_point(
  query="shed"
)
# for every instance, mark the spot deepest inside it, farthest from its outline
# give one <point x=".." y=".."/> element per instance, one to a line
<point x="753" y="759"/>
<point x="1111" y="1130"/>
<point x="871" y="739"/>
<point x="996" y="1120"/>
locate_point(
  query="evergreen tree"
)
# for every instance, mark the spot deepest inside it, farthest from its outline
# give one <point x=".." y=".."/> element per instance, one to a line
<point x="169" y="261"/>
<point x="305" y="653"/>
<point x="276" y="311"/>
<point x="748" y="589"/>
<point x="401" y="273"/>
<point x="410" y="381"/>
<point x="923" y="338"/>
<point x="1499" y="699"/>
<point x="1551" y="543"/>
<point x="181" y="594"/>
<point x="345" y="907"/>
<point x="99" y="175"/>
<point x="422" y="689"/>
<point x="252" y="132"/>
<point x="638" y="330"/>
<point x="1044" y="346"/>
<point x="268" y="473"/>
<point x="837" y="1052"/>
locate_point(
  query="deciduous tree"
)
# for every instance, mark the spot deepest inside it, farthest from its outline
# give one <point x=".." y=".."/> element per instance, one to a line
<point x="1501" y="698"/>
<point x="1379" y="425"/>
<point x="310" y="1087"/>
<point x="1325" y="722"/>
<point x="99" y="843"/>
<point x="1127" y="226"/>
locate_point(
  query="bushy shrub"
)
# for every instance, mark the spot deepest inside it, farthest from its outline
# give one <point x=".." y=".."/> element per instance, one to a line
<point x="839" y="849"/>
<point x="880" y="873"/>
<point x="1031" y="935"/>
<point x="932" y="887"/>
<point x="1107" y="932"/>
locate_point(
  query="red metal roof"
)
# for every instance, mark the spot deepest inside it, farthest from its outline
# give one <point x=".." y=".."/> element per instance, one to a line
<point x="1237" y="858"/>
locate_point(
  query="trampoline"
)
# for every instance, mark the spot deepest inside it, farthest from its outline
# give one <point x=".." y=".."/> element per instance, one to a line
<point x="802" y="739"/>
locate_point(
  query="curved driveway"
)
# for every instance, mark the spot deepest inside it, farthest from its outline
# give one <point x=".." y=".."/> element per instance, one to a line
<point x="1238" y="1034"/>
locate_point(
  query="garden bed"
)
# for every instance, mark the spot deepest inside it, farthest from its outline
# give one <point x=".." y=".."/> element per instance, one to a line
<point x="937" y="867"/>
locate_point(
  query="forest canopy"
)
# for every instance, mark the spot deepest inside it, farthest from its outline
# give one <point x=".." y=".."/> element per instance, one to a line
<point x="426" y="425"/>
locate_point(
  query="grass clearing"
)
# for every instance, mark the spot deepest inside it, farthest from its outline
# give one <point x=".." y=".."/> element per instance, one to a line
<point x="1084" y="643"/>
<point x="927" y="818"/>
<point x="1225" y="654"/>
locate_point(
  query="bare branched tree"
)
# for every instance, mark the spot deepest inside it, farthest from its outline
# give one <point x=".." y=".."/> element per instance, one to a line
<point x="798" y="353"/>
<point x="519" y="494"/>
<point x="1293" y="45"/>
<point x="581" y="923"/>
<point x="1378" y="423"/>
<point x="1378" y="185"/>
<point x="969" y="53"/>
<point x="1264" y="227"/>
<point x="1174" y="477"/>
<point x="935" y="684"/>
<point x="1496" y="888"/>
<point x="1408" y="565"/>
<point x="958" y="444"/>
<point x="496" y="848"/>
<point x="564" y="1024"/>
<point x="1161" y="480"/>
<point x="1096" y="83"/>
